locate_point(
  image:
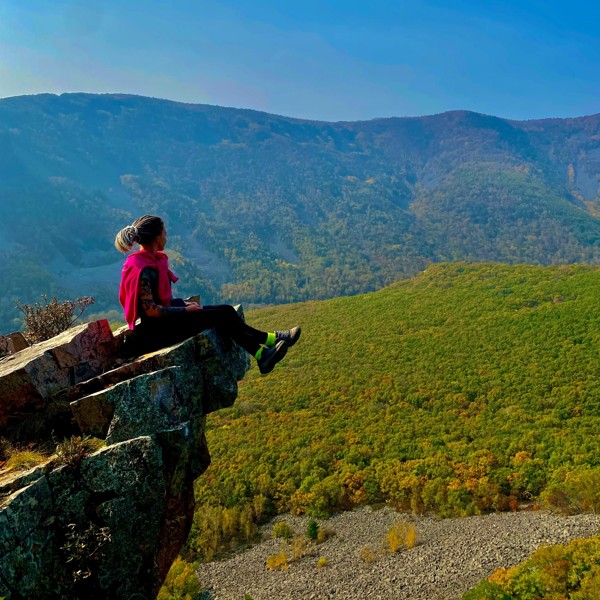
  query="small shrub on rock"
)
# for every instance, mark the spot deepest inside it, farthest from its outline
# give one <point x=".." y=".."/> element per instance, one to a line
<point x="282" y="530"/>
<point x="312" y="530"/>
<point x="300" y="547"/>
<point x="72" y="451"/>
<point x="278" y="561"/>
<point x="322" y="562"/>
<point x="401" y="535"/>
<point x="411" y="536"/>
<point x="44" y="321"/>
<point x="368" y="554"/>
<point x="324" y="533"/>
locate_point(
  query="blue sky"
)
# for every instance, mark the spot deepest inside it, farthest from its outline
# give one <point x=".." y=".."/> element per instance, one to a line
<point x="327" y="60"/>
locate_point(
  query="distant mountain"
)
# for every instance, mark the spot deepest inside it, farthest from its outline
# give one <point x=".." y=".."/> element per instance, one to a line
<point x="268" y="209"/>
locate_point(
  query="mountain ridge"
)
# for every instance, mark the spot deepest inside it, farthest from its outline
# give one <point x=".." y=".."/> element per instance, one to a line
<point x="267" y="209"/>
<point x="125" y="95"/>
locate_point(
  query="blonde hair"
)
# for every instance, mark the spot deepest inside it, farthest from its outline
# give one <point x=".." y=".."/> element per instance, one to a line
<point x="142" y="231"/>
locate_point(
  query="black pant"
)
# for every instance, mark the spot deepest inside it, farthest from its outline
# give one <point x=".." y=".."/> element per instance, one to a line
<point x="159" y="332"/>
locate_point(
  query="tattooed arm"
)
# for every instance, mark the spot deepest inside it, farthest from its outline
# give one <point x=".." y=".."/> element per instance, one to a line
<point x="146" y="298"/>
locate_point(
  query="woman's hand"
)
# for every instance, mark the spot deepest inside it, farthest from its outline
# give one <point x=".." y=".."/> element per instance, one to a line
<point x="192" y="307"/>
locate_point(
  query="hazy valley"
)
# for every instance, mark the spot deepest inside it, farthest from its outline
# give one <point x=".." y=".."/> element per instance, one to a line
<point x="267" y="209"/>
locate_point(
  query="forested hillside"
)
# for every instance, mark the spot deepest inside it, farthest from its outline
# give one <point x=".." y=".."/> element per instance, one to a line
<point x="469" y="388"/>
<point x="269" y="209"/>
<point x="568" y="571"/>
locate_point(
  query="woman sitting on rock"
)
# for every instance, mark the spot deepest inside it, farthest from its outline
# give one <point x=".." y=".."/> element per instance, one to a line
<point x="145" y="292"/>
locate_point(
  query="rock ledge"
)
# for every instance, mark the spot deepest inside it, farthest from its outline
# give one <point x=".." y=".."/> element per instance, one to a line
<point x="109" y="524"/>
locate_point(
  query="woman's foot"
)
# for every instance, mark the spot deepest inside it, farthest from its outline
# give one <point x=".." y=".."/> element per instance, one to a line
<point x="271" y="356"/>
<point x="289" y="336"/>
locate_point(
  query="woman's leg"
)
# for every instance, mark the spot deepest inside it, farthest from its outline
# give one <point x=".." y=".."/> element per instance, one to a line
<point x="162" y="332"/>
<point x="225" y="319"/>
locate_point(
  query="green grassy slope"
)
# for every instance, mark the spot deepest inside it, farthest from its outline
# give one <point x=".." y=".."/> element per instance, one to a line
<point x="468" y="388"/>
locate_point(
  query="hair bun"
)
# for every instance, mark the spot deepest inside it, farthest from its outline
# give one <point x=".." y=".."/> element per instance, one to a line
<point x="142" y="231"/>
<point x="126" y="238"/>
<point x="132" y="233"/>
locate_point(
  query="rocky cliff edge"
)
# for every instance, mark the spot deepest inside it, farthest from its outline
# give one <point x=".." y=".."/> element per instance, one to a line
<point x="107" y="524"/>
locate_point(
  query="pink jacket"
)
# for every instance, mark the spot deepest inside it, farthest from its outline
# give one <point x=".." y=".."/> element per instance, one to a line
<point x="130" y="281"/>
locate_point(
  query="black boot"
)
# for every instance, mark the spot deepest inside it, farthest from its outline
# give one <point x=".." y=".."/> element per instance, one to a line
<point x="271" y="356"/>
<point x="289" y="336"/>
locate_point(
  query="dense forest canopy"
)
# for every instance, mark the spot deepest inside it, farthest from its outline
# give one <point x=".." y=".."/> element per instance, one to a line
<point x="469" y="388"/>
<point x="267" y="209"/>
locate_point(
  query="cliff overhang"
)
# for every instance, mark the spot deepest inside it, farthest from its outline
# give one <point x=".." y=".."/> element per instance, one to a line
<point x="108" y="524"/>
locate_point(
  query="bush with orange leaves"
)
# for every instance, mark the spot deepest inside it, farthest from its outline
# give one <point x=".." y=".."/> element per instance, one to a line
<point x="570" y="572"/>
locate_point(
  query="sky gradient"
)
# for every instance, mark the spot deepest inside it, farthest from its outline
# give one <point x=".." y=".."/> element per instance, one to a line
<point x="327" y="60"/>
